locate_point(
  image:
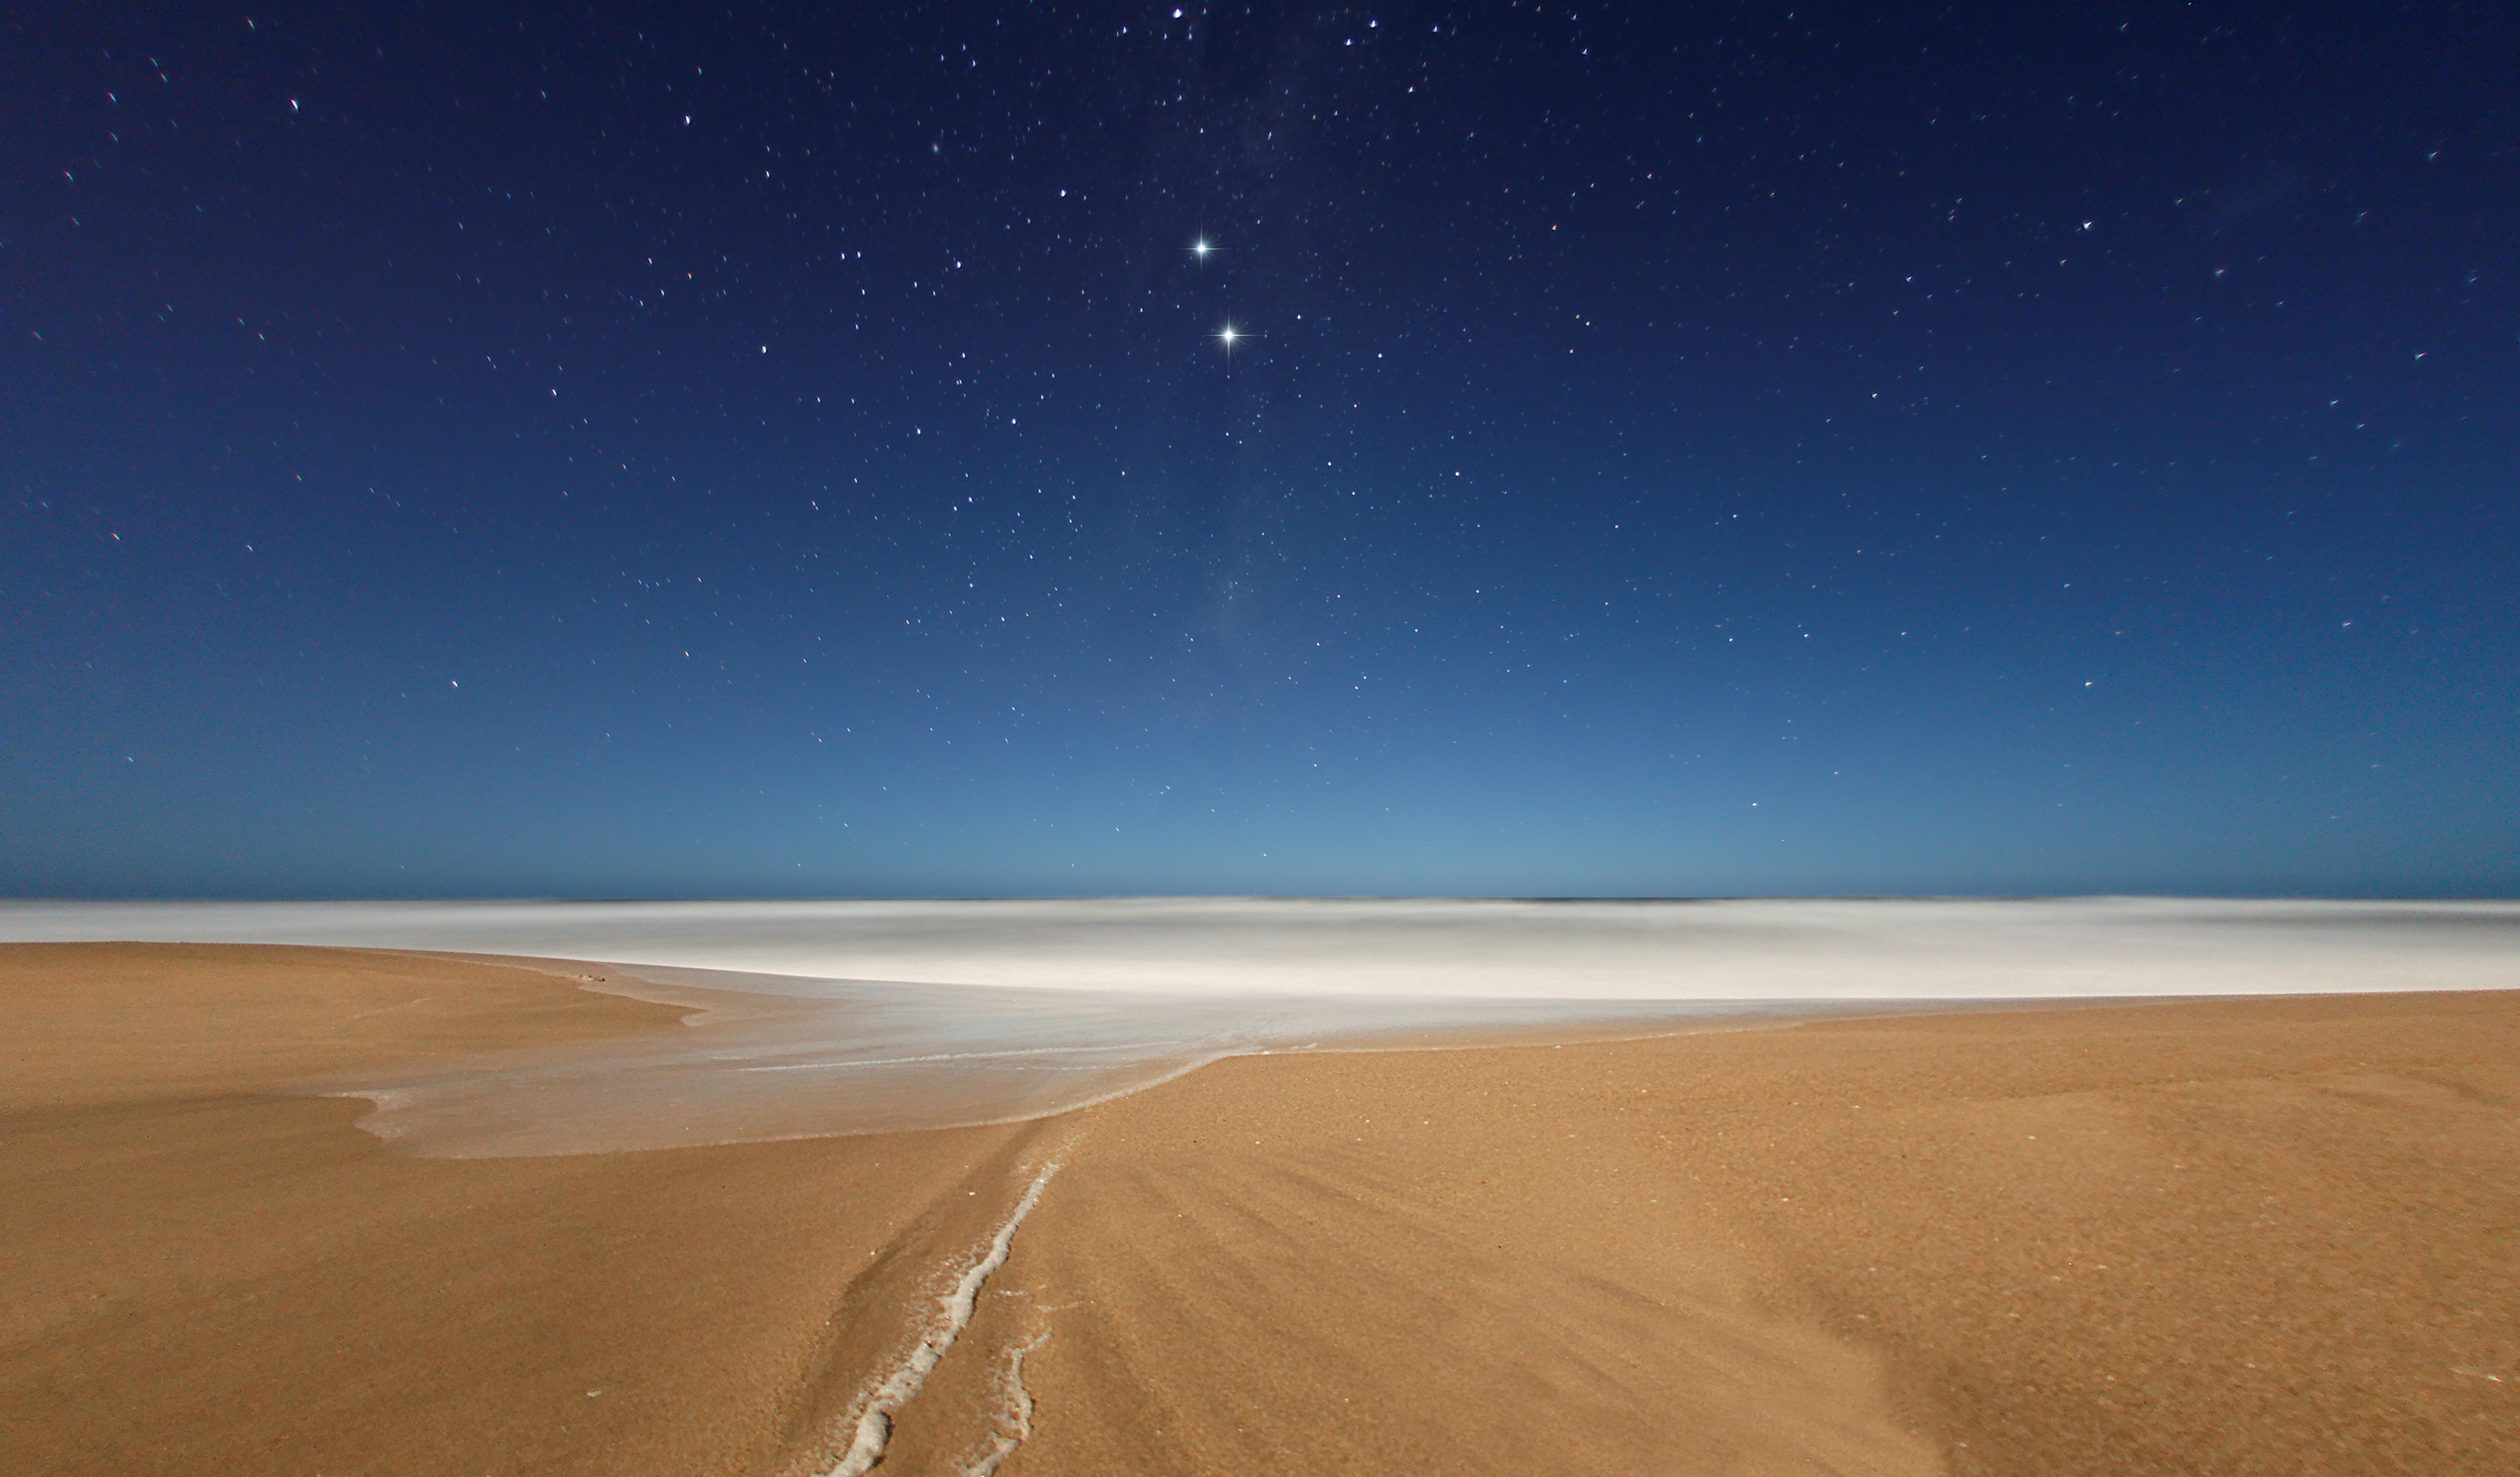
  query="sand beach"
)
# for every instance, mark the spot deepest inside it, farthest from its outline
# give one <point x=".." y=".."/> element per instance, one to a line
<point x="2275" y="1233"/>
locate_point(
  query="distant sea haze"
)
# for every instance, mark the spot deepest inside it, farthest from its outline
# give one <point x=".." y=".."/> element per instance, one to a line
<point x="1726" y="950"/>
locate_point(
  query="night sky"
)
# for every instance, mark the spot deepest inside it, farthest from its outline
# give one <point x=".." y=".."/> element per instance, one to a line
<point x="620" y="451"/>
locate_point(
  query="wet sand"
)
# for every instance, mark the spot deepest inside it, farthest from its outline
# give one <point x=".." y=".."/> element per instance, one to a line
<point x="2251" y="1236"/>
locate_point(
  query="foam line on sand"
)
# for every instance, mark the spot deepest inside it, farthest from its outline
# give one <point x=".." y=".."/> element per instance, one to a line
<point x="1018" y="1427"/>
<point x="954" y="1310"/>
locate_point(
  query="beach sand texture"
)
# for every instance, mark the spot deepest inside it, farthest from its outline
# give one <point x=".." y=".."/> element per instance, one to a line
<point x="2275" y="1235"/>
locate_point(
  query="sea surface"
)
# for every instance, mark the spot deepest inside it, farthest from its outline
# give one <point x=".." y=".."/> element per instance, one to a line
<point x="810" y="1018"/>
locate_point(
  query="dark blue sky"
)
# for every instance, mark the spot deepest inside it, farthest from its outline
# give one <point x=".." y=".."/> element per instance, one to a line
<point x="597" y="451"/>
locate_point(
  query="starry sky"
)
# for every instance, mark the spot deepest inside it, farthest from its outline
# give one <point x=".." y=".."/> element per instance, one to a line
<point x="653" y="451"/>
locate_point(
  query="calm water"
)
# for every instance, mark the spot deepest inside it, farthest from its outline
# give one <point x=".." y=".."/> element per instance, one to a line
<point x="815" y="1018"/>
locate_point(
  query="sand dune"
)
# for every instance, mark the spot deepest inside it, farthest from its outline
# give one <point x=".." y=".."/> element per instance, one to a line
<point x="2271" y="1234"/>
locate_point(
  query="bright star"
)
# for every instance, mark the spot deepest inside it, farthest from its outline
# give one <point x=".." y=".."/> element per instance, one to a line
<point x="1227" y="335"/>
<point x="1199" y="248"/>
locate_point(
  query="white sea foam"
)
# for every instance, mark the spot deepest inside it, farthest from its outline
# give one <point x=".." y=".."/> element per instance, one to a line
<point x="873" y="1428"/>
<point x="1014" y="1421"/>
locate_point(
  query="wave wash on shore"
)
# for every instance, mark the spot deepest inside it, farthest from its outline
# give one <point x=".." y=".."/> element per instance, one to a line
<point x="827" y="1018"/>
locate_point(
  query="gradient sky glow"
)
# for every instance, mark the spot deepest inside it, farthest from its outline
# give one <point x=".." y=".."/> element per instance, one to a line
<point x="507" y="450"/>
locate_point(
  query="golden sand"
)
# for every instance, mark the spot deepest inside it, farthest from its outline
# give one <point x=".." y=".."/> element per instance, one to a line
<point x="2265" y="1235"/>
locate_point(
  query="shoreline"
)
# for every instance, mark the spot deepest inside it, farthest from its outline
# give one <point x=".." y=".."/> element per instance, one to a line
<point x="785" y="1058"/>
<point x="774" y="1059"/>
